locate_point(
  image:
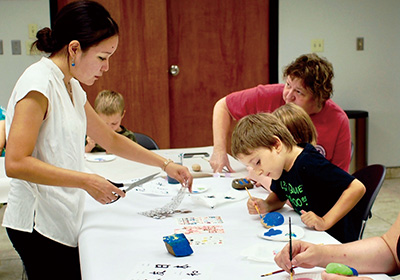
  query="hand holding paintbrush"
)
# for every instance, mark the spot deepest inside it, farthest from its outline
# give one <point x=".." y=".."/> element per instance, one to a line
<point x="290" y="254"/>
<point x="255" y="205"/>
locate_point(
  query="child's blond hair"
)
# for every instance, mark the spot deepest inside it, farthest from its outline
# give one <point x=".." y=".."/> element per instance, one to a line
<point x="109" y="102"/>
<point x="298" y="122"/>
<point x="259" y="130"/>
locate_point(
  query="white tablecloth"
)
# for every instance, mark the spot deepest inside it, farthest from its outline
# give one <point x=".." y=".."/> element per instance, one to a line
<point x="115" y="239"/>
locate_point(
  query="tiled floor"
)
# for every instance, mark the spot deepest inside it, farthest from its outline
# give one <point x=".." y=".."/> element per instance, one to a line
<point x="384" y="211"/>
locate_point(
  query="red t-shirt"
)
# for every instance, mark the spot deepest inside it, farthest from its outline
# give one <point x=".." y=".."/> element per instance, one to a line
<point x="331" y="123"/>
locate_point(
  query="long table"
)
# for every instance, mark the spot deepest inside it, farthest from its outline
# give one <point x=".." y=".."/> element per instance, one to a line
<point x="116" y="242"/>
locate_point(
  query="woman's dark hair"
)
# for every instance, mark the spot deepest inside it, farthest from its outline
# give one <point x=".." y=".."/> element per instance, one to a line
<point x="85" y="21"/>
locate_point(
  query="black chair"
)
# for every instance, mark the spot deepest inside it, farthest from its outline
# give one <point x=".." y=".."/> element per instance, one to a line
<point x="352" y="150"/>
<point x="372" y="176"/>
<point x="146" y="141"/>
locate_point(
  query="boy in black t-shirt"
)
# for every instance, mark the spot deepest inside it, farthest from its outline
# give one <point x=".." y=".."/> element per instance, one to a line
<point x="322" y="193"/>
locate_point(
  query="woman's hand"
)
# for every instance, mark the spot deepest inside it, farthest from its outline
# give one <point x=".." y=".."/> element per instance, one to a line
<point x="101" y="189"/>
<point x="219" y="160"/>
<point x="304" y="254"/>
<point x="181" y="174"/>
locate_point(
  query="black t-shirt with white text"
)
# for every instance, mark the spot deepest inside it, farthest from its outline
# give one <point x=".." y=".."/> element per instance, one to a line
<point x="314" y="184"/>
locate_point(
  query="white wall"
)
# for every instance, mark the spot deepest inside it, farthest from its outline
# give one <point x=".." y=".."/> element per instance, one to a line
<point x="15" y="15"/>
<point x="364" y="80"/>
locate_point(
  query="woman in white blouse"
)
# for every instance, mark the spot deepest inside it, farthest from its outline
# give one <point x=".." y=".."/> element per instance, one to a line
<point x="48" y="116"/>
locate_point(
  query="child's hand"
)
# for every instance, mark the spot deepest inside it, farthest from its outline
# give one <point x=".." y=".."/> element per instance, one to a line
<point x="261" y="180"/>
<point x="261" y="204"/>
<point x="311" y="220"/>
<point x="90" y="144"/>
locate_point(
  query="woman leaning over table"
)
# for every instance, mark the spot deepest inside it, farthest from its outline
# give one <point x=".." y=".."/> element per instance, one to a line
<point x="48" y="117"/>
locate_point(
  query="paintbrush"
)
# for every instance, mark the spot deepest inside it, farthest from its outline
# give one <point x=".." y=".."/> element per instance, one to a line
<point x="290" y="247"/>
<point x="275" y="272"/>
<point x="258" y="211"/>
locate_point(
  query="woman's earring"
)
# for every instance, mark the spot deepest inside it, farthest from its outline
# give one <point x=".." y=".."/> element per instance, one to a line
<point x="73" y="63"/>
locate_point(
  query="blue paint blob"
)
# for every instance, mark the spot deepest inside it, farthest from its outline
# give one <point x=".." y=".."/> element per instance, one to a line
<point x="272" y="232"/>
<point x="273" y="219"/>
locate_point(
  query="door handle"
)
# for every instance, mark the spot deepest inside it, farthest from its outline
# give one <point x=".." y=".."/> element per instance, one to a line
<point x="174" y="70"/>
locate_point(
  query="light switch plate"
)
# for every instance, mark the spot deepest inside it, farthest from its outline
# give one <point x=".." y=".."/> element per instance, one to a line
<point x="317" y="45"/>
<point x="16" y="47"/>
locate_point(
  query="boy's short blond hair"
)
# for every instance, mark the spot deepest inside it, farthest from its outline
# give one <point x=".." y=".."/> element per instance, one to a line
<point x="109" y="102"/>
<point x="298" y="122"/>
<point x="258" y="131"/>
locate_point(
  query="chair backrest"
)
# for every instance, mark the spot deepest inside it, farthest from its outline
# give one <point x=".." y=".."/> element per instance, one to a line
<point x="146" y="141"/>
<point x="352" y="150"/>
<point x="372" y="176"/>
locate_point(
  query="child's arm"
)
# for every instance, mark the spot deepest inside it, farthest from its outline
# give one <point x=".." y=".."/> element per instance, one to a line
<point x="271" y="203"/>
<point x="345" y="203"/>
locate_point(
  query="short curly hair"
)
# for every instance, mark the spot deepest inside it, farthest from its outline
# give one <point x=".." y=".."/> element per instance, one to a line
<point x="315" y="72"/>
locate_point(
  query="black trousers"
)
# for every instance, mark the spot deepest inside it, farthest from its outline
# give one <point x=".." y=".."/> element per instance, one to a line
<point x="44" y="258"/>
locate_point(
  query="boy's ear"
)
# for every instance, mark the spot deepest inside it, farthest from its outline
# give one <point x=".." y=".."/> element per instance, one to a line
<point x="278" y="144"/>
<point x="123" y="114"/>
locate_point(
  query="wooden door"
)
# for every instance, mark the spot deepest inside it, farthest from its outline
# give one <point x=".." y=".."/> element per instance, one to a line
<point x="220" y="46"/>
<point x="139" y="67"/>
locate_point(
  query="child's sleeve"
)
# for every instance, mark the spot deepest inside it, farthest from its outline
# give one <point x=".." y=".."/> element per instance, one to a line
<point x="278" y="190"/>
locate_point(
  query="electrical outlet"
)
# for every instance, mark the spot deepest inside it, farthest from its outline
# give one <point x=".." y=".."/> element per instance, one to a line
<point x="317" y="45"/>
<point x="16" y="46"/>
<point x="32" y="30"/>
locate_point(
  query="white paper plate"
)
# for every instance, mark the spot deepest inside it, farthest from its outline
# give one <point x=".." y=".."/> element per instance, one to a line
<point x="100" y="158"/>
<point x="281" y="233"/>
<point x="199" y="189"/>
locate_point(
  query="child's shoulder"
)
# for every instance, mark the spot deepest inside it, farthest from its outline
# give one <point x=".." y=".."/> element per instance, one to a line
<point x="310" y="160"/>
<point x="311" y="153"/>
<point x="127" y="133"/>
